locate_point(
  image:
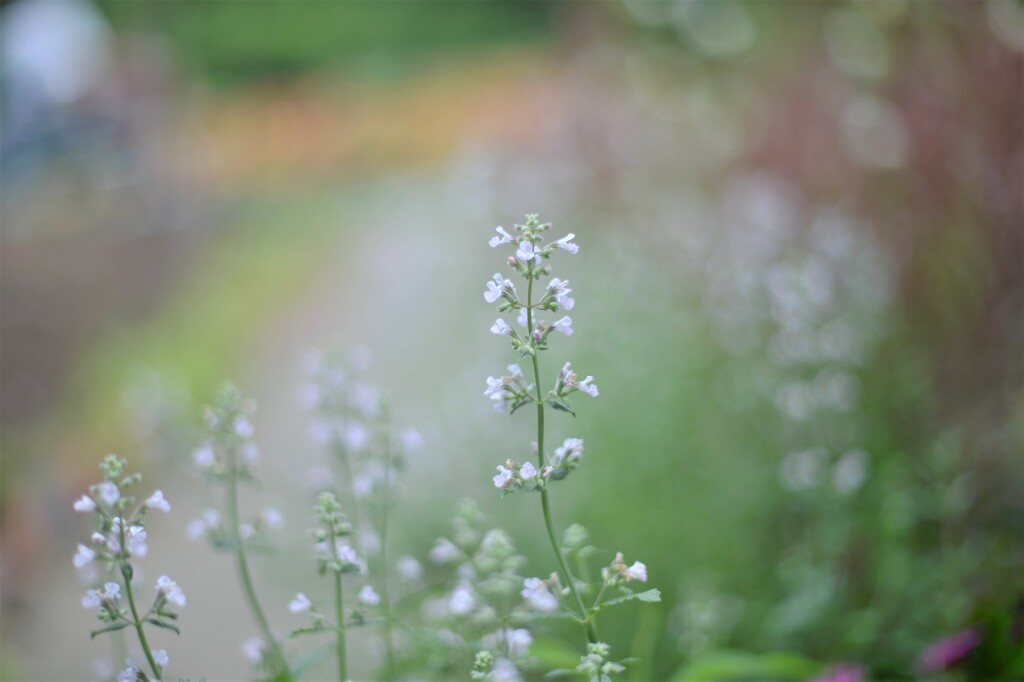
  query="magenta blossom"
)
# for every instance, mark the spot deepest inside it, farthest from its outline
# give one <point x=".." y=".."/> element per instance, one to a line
<point x="945" y="652"/>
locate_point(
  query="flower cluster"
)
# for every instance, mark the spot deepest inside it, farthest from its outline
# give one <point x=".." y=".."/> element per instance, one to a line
<point x="119" y="538"/>
<point x="596" y="666"/>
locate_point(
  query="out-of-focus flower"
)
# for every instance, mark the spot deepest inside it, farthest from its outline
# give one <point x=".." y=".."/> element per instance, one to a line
<point x="158" y="501"/>
<point x="946" y="652"/>
<point x="299" y="604"/>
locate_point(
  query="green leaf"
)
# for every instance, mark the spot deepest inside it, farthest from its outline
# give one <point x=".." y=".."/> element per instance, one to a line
<point x="653" y="595"/>
<point x="741" y="666"/>
<point x="109" y="628"/>
<point x="516" y="405"/>
<point x="562" y="407"/>
<point x="162" y="624"/>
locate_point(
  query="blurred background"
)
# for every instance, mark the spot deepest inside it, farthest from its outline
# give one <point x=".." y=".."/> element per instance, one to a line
<point x="799" y="287"/>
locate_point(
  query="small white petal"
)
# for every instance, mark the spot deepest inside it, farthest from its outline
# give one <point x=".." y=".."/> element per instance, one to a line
<point x="368" y="596"/>
<point x="299" y="604"/>
<point x="85" y="504"/>
<point x="157" y="501"/>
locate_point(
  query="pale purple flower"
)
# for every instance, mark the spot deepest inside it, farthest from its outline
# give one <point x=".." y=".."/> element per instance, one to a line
<point x="566" y="243"/>
<point x="503" y="478"/>
<point x="638" y="571"/>
<point x="409" y="568"/>
<point x="356" y="436"/>
<point x="504" y="670"/>
<point x="346" y="553"/>
<point x="527" y="471"/>
<point x="161" y="658"/>
<point x="505" y="237"/>
<point x="243" y="427"/>
<point x="299" y="604"/>
<point x="109" y="492"/>
<point x="252" y="648"/>
<point x="171" y="591"/>
<point x="272" y="518"/>
<point x="462" y="600"/>
<point x="444" y="551"/>
<point x="521" y="319"/>
<point x="527" y="252"/>
<point x="560" y="290"/>
<point x="85" y="504"/>
<point x="495" y="288"/>
<point x="94" y="598"/>
<point x="519" y="641"/>
<point x="129" y="674"/>
<point x="500" y="327"/>
<point x="571" y="450"/>
<point x="83" y="556"/>
<point x="564" y="325"/>
<point x="588" y="386"/>
<point x="158" y="501"/>
<point x="369" y="596"/>
<point x="537" y="595"/>
<point x="203" y="455"/>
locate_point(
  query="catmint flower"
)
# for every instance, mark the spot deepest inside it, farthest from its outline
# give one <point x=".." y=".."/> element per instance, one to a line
<point x="505" y="237"/>
<point x="527" y="252"/>
<point x="505" y="670"/>
<point x="500" y="327"/>
<point x="571" y="451"/>
<point x="588" y="386"/>
<point x="135" y="539"/>
<point x="566" y="243"/>
<point x="559" y="290"/>
<point x="563" y="325"/>
<point x="356" y="436"/>
<point x="537" y="595"/>
<point x="519" y="641"/>
<point x="504" y="478"/>
<point x="638" y="571"/>
<point x="157" y="501"/>
<point x="409" y="568"/>
<point x="272" y="518"/>
<point x="369" y="596"/>
<point x="161" y="658"/>
<point x="521" y="319"/>
<point x="346" y="553"/>
<point x="98" y="538"/>
<point x="170" y="591"/>
<point x="129" y="674"/>
<point x="243" y="427"/>
<point x="203" y="456"/>
<point x="252" y="648"/>
<point x="299" y="604"/>
<point x="94" y="598"/>
<point x="462" y="600"/>
<point x="527" y="471"/>
<point x="444" y="551"/>
<point x="109" y="492"/>
<point x="83" y="556"/>
<point x="497" y="288"/>
<point x="85" y="504"/>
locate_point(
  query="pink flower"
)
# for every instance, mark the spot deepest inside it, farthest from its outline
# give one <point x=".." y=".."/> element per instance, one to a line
<point x="946" y="652"/>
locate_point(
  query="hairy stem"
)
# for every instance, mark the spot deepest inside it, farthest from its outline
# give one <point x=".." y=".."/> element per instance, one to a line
<point x="570" y="581"/>
<point x="339" y="608"/>
<point x="136" y="621"/>
<point x="277" y="660"/>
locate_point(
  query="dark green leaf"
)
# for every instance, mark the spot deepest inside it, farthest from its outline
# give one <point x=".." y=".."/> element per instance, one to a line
<point x="109" y="628"/>
<point x="162" y="624"/>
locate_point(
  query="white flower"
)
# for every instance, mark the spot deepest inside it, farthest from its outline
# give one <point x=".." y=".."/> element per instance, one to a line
<point x="560" y="290"/>
<point x="500" y="327"/>
<point x="462" y="600"/>
<point x="299" y="604"/>
<point x="136" y="540"/>
<point x="527" y="252"/>
<point x="346" y="553"/>
<point x="571" y="450"/>
<point x="94" y="598"/>
<point x="637" y="571"/>
<point x="109" y="492"/>
<point x="273" y="518"/>
<point x="85" y="504"/>
<point x="252" y="648"/>
<point x="129" y="674"/>
<point x="409" y="568"/>
<point x="504" y="670"/>
<point x="494" y="288"/>
<point x="536" y="593"/>
<point x="519" y="641"/>
<point x="588" y="387"/>
<point x="98" y="538"/>
<point x="83" y="556"/>
<point x="564" y="325"/>
<point x="444" y="551"/>
<point x="368" y="596"/>
<point x="161" y="658"/>
<point x="91" y="599"/>
<point x="504" y="477"/>
<point x="203" y="456"/>
<point x="157" y="501"/>
<point x="566" y="243"/>
<point x="170" y="590"/>
<point x="505" y="237"/>
<point x="527" y="471"/>
<point x="243" y="427"/>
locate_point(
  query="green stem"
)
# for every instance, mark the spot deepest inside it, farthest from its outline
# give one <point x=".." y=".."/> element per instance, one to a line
<point x="385" y="596"/>
<point x="277" y="660"/>
<point x="588" y="625"/>
<point x="339" y="607"/>
<point x="126" y="572"/>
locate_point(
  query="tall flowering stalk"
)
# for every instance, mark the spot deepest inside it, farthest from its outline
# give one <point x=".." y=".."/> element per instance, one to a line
<point x="120" y="537"/>
<point x="512" y="391"/>
<point x="229" y="456"/>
